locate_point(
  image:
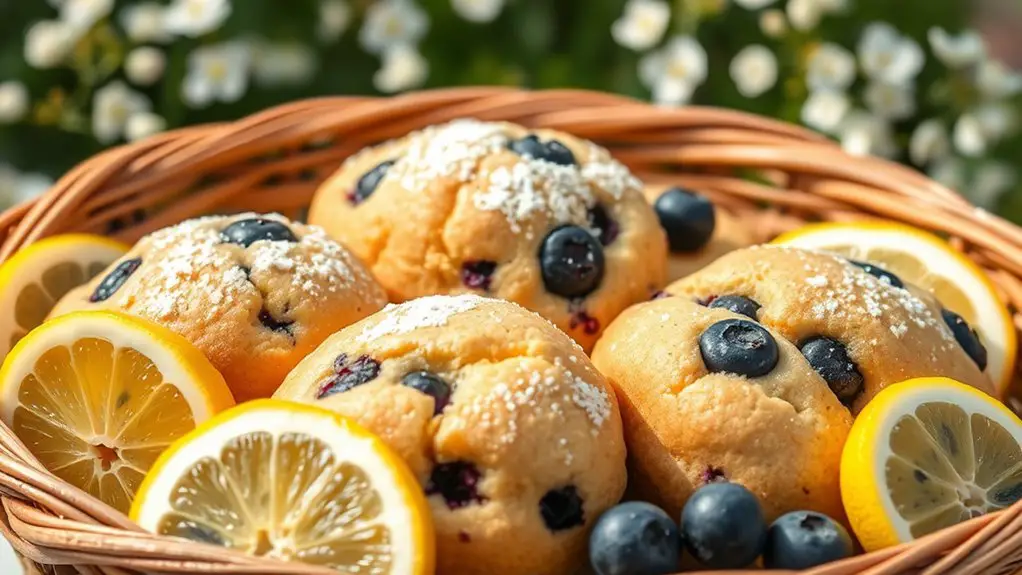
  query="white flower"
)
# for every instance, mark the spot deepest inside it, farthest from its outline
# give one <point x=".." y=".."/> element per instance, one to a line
<point x="754" y="4"/>
<point x="284" y="63"/>
<point x="890" y="101"/>
<point x="82" y="14"/>
<point x="14" y="101"/>
<point x="824" y="110"/>
<point x="217" y="72"/>
<point x="888" y="56"/>
<point x="478" y="10"/>
<point x="969" y="137"/>
<point x="929" y="142"/>
<point x="995" y="80"/>
<point x="863" y="134"/>
<point x="112" y="105"/>
<point x="142" y="125"/>
<point x="950" y="172"/>
<point x="991" y="181"/>
<point x="145" y="22"/>
<point x="16" y="187"/>
<point x="674" y="71"/>
<point x="403" y="68"/>
<point x="754" y="70"/>
<point x="48" y="43"/>
<point x="642" y="25"/>
<point x="956" y="51"/>
<point x="997" y="119"/>
<point x="194" y="18"/>
<point x="389" y="23"/>
<point x="805" y="14"/>
<point x="334" y="17"/>
<point x="144" y="65"/>
<point x="830" y="67"/>
<point x="773" y="23"/>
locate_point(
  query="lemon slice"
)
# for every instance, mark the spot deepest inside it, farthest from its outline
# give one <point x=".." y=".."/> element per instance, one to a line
<point x="927" y="261"/>
<point x="294" y="482"/>
<point x="97" y="396"/>
<point x="35" y="278"/>
<point x="926" y="454"/>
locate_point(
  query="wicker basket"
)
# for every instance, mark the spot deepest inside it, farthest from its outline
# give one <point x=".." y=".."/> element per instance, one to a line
<point x="274" y="160"/>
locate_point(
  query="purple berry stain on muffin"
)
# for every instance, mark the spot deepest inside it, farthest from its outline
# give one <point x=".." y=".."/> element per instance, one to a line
<point x="477" y="274"/>
<point x="659" y="294"/>
<point x="601" y="221"/>
<point x="712" y="475"/>
<point x="457" y="482"/>
<point x="464" y="537"/>
<point x="115" y="279"/>
<point x="349" y="374"/>
<point x="272" y="323"/>
<point x="589" y="324"/>
<point x="562" y="508"/>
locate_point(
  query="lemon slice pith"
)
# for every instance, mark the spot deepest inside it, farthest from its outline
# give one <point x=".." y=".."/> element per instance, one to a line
<point x="928" y="262"/>
<point x="285" y="480"/>
<point x="926" y="454"/>
<point x="34" y="278"/>
<point x="96" y="396"/>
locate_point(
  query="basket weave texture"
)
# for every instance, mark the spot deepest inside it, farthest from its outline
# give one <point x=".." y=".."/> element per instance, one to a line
<point x="274" y="160"/>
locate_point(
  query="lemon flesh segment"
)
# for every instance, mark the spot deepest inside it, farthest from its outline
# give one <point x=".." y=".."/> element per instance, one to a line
<point x="268" y="486"/>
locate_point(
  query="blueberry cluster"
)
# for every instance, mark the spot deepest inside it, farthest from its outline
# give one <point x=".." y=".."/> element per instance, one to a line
<point x="722" y="527"/>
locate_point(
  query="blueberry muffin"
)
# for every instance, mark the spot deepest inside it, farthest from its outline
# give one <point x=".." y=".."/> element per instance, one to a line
<point x="698" y="232"/>
<point x="708" y="395"/>
<point x="514" y="435"/>
<point x="256" y="293"/>
<point x="536" y="217"/>
<point x="859" y="326"/>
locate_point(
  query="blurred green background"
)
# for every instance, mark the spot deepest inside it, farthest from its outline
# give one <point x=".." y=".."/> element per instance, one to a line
<point x="931" y="83"/>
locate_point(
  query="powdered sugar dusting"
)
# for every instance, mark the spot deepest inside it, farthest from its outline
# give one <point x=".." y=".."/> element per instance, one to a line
<point x="451" y="150"/>
<point x="430" y="311"/>
<point x="592" y="399"/>
<point x="533" y="187"/>
<point x="609" y="174"/>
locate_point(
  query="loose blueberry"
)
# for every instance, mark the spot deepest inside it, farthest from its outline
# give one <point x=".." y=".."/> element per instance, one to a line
<point x="804" y="539"/>
<point x="432" y="386"/>
<point x="740" y="305"/>
<point x="477" y="274"/>
<point x="738" y="346"/>
<point x="723" y="527"/>
<point x="879" y="273"/>
<point x="551" y="151"/>
<point x="247" y="232"/>
<point x="688" y="219"/>
<point x="830" y="359"/>
<point x="966" y="337"/>
<point x="634" y="538"/>
<point x="561" y="508"/>
<point x="349" y="374"/>
<point x="115" y="279"/>
<point x="274" y="324"/>
<point x="457" y="482"/>
<point x="600" y="220"/>
<point x="368" y="183"/>
<point x="571" y="261"/>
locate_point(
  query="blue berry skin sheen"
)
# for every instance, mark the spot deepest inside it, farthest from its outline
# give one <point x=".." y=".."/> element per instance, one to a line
<point x="805" y="539"/>
<point x="634" y="538"/>
<point x="723" y="527"/>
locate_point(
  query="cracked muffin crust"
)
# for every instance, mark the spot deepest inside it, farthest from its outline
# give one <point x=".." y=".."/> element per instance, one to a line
<point x="255" y="293"/>
<point x="707" y="394"/>
<point x="540" y="218"/>
<point x="514" y="435"/>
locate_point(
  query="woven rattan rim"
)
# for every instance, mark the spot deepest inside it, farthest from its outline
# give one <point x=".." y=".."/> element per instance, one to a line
<point x="273" y="161"/>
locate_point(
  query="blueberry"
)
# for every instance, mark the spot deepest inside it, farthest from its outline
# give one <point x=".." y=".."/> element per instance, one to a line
<point x="115" y="279"/>
<point x="457" y="482"/>
<point x="432" y="386"/>
<point x="478" y="274"/>
<point x="740" y="305"/>
<point x="369" y="181"/>
<point x="562" y="508"/>
<point x="804" y="539"/>
<point x="966" y="337"/>
<point x="880" y="273"/>
<point x="272" y="323"/>
<point x="571" y="261"/>
<point x="247" y="232"/>
<point x="830" y="359"/>
<point x="600" y="220"/>
<point x="349" y="374"/>
<point x="723" y="527"/>
<point x="738" y="346"/>
<point x="551" y="151"/>
<point x="634" y="538"/>
<point x="688" y="219"/>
